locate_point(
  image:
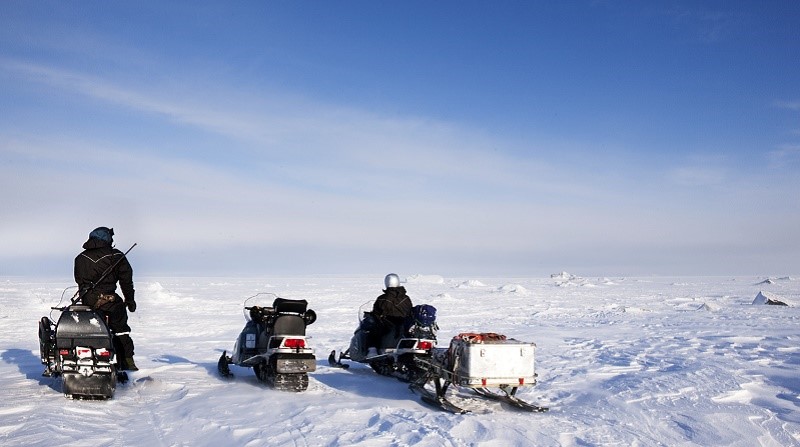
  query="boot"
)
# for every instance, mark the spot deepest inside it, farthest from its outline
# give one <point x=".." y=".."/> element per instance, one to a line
<point x="129" y="365"/>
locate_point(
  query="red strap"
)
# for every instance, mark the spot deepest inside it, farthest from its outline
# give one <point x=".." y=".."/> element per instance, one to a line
<point x="474" y="337"/>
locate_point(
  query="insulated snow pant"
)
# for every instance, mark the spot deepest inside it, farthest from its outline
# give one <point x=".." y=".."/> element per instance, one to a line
<point x="387" y="333"/>
<point x="116" y="315"/>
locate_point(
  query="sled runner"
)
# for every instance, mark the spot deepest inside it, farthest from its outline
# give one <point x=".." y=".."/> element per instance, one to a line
<point x="274" y="343"/>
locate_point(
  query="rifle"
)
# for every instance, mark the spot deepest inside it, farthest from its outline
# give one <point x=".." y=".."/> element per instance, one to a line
<point x="82" y="293"/>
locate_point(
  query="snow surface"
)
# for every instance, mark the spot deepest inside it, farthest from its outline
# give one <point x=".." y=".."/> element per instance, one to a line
<point x="629" y="361"/>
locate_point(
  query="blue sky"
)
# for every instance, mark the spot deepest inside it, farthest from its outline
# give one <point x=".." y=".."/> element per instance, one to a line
<point x="458" y="138"/>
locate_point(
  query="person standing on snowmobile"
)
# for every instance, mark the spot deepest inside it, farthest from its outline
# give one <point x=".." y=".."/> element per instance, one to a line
<point x="391" y="310"/>
<point x="98" y="259"/>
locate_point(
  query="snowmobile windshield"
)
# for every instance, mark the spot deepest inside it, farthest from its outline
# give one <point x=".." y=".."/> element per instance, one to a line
<point x="262" y="300"/>
<point x="364" y="308"/>
<point x="71" y="290"/>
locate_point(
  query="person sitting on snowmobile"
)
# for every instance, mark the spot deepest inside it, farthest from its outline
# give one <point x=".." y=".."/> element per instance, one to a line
<point x="97" y="258"/>
<point x="390" y="310"/>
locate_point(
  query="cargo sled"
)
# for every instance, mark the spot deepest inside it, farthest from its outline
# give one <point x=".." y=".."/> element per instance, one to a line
<point x="481" y="362"/>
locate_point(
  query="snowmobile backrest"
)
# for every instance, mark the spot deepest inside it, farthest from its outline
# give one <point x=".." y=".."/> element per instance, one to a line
<point x="289" y="325"/>
<point x="283" y="305"/>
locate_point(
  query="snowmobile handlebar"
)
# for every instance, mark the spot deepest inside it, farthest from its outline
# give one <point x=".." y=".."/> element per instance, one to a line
<point x="266" y="308"/>
<point x="262" y="312"/>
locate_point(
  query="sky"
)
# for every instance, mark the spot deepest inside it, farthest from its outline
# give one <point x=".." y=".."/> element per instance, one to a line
<point x="604" y="138"/>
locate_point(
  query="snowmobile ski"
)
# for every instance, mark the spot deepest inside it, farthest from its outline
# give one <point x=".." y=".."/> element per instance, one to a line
<point x="222" y="365"/>
<point x="337" y="363"/>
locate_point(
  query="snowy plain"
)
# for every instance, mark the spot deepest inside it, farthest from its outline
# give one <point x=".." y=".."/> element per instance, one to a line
<point x="621" y="361"/>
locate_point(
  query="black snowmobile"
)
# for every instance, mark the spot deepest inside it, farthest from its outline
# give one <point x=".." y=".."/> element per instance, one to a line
<point x="79" y="348"/>
<point x="399" y="349"/>
<point x="274" y="343"/>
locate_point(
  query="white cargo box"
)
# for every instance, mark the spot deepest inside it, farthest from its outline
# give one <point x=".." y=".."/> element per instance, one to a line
<point x="492" y="363"/>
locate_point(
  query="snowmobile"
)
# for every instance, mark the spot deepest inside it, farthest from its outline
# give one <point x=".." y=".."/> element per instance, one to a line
<point x="399" y="348"/>
<point x="274" y="343"/>
<point x="79" y="348"/>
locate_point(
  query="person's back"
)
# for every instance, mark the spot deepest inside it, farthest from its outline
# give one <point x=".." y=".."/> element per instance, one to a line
<point x="96" y="259"/>
<point x="393" y="303"/>
<point x="391" y="310"/>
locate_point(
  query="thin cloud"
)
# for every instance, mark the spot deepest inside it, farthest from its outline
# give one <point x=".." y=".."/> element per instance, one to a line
<point x="784" y="156"/>
<point x="789" y="105"/>
<point x="703" y="23"/>
<point x="697" y="176"/>
<point x="318" y="141"/>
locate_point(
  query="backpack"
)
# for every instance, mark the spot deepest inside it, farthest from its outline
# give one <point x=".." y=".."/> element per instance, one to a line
<point x="424" y="315"/>
<point x="422" y="323"/>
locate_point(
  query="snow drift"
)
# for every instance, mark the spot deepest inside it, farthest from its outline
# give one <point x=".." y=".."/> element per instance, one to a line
<point x="768" y="298"/>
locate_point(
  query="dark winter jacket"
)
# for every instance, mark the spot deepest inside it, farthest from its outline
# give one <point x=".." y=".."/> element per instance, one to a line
<point x="394" y="303"/>
<point x="97" y="257"/>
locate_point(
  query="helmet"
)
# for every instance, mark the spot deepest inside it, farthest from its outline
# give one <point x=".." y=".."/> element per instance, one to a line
<point x="102" y="233"/>
<point x="391" y="280"/>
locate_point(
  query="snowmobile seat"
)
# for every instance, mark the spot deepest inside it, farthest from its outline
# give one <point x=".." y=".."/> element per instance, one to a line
<point x="283" y="305"/>
<point x="289" y="325"/>
<point x="82" y="327"/>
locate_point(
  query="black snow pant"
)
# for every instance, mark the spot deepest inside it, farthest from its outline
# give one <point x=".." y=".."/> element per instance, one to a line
<point x="116" y="315"/>
<point x="386" y="333"/>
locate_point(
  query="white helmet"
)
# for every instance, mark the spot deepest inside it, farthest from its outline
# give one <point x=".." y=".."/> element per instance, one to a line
<point x="391" y="280"/>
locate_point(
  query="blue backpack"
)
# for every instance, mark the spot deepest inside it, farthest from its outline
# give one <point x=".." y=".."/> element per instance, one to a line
<point x="424" y="315"/>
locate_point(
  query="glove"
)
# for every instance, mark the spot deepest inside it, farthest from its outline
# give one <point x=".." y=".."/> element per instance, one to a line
<point x="131" y="305"/>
